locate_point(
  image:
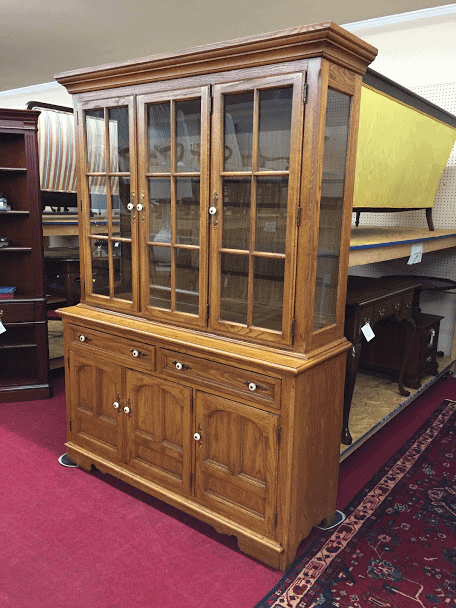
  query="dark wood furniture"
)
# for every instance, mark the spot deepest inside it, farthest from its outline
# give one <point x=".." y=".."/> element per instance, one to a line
<point x="62" y="273"/>
<point x="205" y="362"/>
<point x="370" y="300"/>
<point x="378" y="355"/>
<point x="23" y="346"/>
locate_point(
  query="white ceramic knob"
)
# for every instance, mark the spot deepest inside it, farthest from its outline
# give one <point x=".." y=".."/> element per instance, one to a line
<point x="135" y="353"/>
<point x="82" y="338"/>
<point x="126" y="409"/>
<point x="196" y="436"/>
<point x="130" y="206"/>
<point x="252" y="386"/>
<point x="212" y="210"/>
<point x="178" y="365"/>
<point x="139" y="207"/>
<point x="116" y="405"/>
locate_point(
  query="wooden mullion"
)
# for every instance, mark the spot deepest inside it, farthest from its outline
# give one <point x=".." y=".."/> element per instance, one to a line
<point x="253" y="194"/>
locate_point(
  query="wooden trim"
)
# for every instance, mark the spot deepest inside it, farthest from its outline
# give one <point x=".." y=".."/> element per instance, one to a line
<point x="326" y="40"/>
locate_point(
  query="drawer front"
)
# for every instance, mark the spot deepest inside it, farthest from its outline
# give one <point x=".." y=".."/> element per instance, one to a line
<point x="253" y="387"/>
<point x="18" y="312"/>
<point x="131" y="352"/>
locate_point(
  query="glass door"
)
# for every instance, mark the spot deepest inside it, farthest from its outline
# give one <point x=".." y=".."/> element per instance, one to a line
<point x="256" y="142"/>
<point x="109" y="206"/>
<point x="173" y="168"/>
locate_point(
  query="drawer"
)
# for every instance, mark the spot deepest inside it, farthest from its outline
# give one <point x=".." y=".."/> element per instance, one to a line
<point x="250" y="386"/>
<point x="130" y="351"/>
<point x="18" y="312"/>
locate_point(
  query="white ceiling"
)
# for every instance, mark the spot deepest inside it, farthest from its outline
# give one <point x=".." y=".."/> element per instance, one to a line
<point x="40" y="38"/>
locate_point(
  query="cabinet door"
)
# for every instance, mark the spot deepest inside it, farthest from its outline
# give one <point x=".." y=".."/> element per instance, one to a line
<point x="107" y="163"/>
<point x="236" y="461"/>
<point x="97" y="424"/>
<point x="256" y="144"/>
<point x="159" y="430"/>
<point x="173" y="135"/>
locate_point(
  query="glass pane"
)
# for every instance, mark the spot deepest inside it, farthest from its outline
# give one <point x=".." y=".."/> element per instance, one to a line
<point x="234" y="288"/>
<point x="159" y="137"/>
<point x="160" y="277"/>
<point x="187" y="279"/>
<point x="188" y="134"/>
<point x="160" y="210"/>
<point x="95" y="130"/>
<point x="275" y="129"/>
<point x="120" y="197"/>
<point x="271" y="214"/>
<point x="187" y="210"/>
<point x="100" y="266"/>
<point x="119" y="139"/>
<point x="236" y="213"/>
<point x="98" y="205"/>
<point x="268" y="293"/>
<point x="122" y="270"/>
<point x="238" y="132"/>
<point x="331" y="208"/>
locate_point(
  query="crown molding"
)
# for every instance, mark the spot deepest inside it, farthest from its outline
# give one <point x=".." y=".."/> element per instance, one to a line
<point x="408" y="18"/>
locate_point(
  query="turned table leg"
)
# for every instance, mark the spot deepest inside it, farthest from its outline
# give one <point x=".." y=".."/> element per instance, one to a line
<point x="351" y="369"/>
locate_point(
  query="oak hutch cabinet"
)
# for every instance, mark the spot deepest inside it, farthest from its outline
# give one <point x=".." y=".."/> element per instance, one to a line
<point x="205" y="363"/>
<point x="24" y="360"/>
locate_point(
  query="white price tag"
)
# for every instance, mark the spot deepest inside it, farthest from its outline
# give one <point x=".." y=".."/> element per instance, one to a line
<point x="367" y="331"/>
<point x="416" y="254"/>
<point x="2" y="328"/>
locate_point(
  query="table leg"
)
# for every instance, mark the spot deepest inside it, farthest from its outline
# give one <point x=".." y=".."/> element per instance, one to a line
<point x="351" y="369"/>
<point x="409" y="340"/>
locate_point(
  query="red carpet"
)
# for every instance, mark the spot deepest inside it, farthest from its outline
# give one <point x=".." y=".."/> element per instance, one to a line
<point x="397" y="547"/>
<point x="72" y="539"/>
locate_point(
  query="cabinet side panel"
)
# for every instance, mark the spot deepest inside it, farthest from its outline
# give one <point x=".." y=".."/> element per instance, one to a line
<point x="315" y="437"/>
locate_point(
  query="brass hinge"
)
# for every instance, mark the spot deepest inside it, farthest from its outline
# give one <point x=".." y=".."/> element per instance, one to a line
<point x="276" y="517"/>
<point x="305" y="92"/>
<point x="71" y="425"/>
<point x="279" y="434"/>
<point x="298" y="216"/>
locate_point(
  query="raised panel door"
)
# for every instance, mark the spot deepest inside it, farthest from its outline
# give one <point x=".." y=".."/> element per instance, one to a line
<point x="236" y="461"/>
<point x="97" y="418"/>
<point x="159" y="430"/>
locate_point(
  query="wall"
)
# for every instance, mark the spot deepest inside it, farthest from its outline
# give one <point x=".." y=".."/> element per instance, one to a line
<point x="49" y="92"/>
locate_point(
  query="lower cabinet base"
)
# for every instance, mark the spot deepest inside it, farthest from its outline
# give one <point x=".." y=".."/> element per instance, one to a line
<point x="24" y="393"/>
<point x="264" y="549"/>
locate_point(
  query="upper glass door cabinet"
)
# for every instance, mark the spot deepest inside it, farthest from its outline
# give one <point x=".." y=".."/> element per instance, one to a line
<point x="109" y="202"/>
<point x="173" y="161"/>
<point x="256" y="145"/>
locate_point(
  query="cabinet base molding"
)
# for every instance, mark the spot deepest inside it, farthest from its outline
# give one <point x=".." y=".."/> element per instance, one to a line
<point x="29" y="393"/>
<point x="258" y="546"/>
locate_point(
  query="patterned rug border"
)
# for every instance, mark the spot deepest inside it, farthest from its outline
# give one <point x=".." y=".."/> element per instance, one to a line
<point x="304" y="572"/>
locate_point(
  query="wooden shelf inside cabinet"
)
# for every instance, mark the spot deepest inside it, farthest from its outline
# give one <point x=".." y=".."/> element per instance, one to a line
<point x="15" y="249"/>
<point x="14" y="212"/>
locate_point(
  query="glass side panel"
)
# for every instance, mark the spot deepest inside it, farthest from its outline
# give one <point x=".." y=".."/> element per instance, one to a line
<point x="236" y="213"/>
<point x="159" y="137"/>
<point x="122" y="270"/>
<point x="271" y="214"/>
<point x="95" y="133"/>
<point x="234" y="287"/>
<point x="120" y="197"/>
<point x="160" y="277"/>
<point x="268" y="292"/>
<point x="160" y="210"/>
<point x="238" y="132"/>
<point x="275" y="129"/>
<point x="331" y="208"/>
<point x="187" y="277"/>
<point x="188" y="210"/>
<point x="119" y="140"/>
<point x="188" y="135"/>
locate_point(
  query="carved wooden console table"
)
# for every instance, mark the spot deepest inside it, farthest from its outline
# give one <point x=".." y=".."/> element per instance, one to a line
<point x="370" y="300"/>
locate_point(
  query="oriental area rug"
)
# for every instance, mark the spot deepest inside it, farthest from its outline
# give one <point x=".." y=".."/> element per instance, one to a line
<point x="397" y="546"/>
